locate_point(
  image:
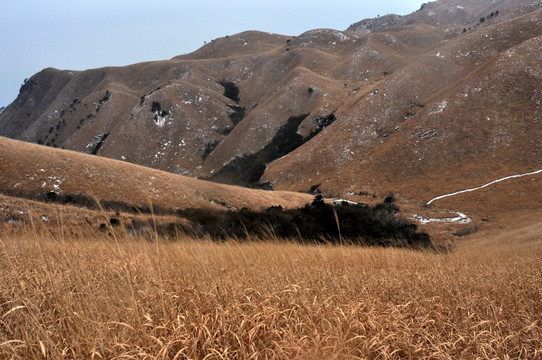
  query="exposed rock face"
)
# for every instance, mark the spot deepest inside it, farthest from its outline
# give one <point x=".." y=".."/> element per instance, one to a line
<point x="433" y="98"/>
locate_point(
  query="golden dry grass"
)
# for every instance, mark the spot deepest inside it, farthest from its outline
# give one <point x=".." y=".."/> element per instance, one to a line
<point x="124" y="298"/>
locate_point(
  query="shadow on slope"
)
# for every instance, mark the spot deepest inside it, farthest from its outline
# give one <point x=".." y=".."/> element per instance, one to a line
<point x="247" y="170"/>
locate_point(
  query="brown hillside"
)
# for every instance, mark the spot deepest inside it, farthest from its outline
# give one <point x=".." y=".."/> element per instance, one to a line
<point x="33" y="171"/>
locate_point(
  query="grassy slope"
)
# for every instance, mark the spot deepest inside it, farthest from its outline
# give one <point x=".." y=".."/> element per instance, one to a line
<point x="95" y="297"/>
<point x="37" y="169"/>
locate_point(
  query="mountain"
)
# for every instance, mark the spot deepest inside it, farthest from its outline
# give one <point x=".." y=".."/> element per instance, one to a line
<point x="439" y="101"/>
<point x="447" y="12"/>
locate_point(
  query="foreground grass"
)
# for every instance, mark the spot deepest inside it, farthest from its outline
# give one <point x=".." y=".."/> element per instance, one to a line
<point x="63" y="297"/>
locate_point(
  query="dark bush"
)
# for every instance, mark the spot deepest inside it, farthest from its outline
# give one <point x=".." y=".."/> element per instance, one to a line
<point x="247" y="170"/>
<point x="231" y="91"/>
<point x="99" y="144"/>
<point x="359" y="224"/>
<point x="237" y="115"/>
<point x="209" y="149"/>
<point x="315" y="189"/>
<point x="103" y="100"/>
<point x="51" y="196"/>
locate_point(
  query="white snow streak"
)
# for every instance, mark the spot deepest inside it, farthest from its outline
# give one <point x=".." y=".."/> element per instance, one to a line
<point x="484" y="186"/>
<point x="460" y="219"/>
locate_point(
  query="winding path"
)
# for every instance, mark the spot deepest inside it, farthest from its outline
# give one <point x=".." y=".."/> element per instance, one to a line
<point x="483" y="186"/>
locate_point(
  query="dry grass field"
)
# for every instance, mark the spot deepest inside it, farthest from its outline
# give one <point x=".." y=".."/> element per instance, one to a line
<point x="117" y="297"/>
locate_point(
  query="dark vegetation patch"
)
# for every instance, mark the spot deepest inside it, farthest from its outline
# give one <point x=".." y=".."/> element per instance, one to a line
<point x="75" y="102"/>
<point x="321" y="124"/>
<point x="317" y="222"/>
<point x="114" y="221"/>
<point x="237" y="115"/>
<point x="231" y="91"/>
<point x="26" y="87"/>
<point x="103" y="100"/>
<point x="156" y="108"/>
<point x="99" y="144"/>
<point x="209" y="149"/>
<point x="315" y="190"/>
<point x="247" y="170"/>
<point x="366" y="193"/>
<point x="244" y="170"/>
<point x="85" y="201"/>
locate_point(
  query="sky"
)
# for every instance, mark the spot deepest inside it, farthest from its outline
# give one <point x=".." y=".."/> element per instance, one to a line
<point x="85" y="34"/>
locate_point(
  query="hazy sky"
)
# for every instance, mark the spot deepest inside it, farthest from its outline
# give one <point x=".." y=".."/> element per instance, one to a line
<point x="84" y="34"/>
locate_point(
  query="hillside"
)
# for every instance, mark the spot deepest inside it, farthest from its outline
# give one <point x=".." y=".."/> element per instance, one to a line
<point x="419" y="106"/>
<point x="37" y="179"/>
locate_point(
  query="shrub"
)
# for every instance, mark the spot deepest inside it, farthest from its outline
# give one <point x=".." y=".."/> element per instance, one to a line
<point x="231" y="91"/>
<point x="315" y="222"/>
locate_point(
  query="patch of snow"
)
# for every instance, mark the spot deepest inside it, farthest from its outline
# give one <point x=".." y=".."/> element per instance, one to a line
<point x="428" y="134"/>
<point x="160" y="121"/>
<point x="459" y="219"/>
<point x="484" y="186"/>
<point x="442" y="106"/>
<point x="341" y="201"/>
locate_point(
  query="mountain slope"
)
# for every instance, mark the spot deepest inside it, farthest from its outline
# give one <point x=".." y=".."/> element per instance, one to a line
<point x="45" y="174"/>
